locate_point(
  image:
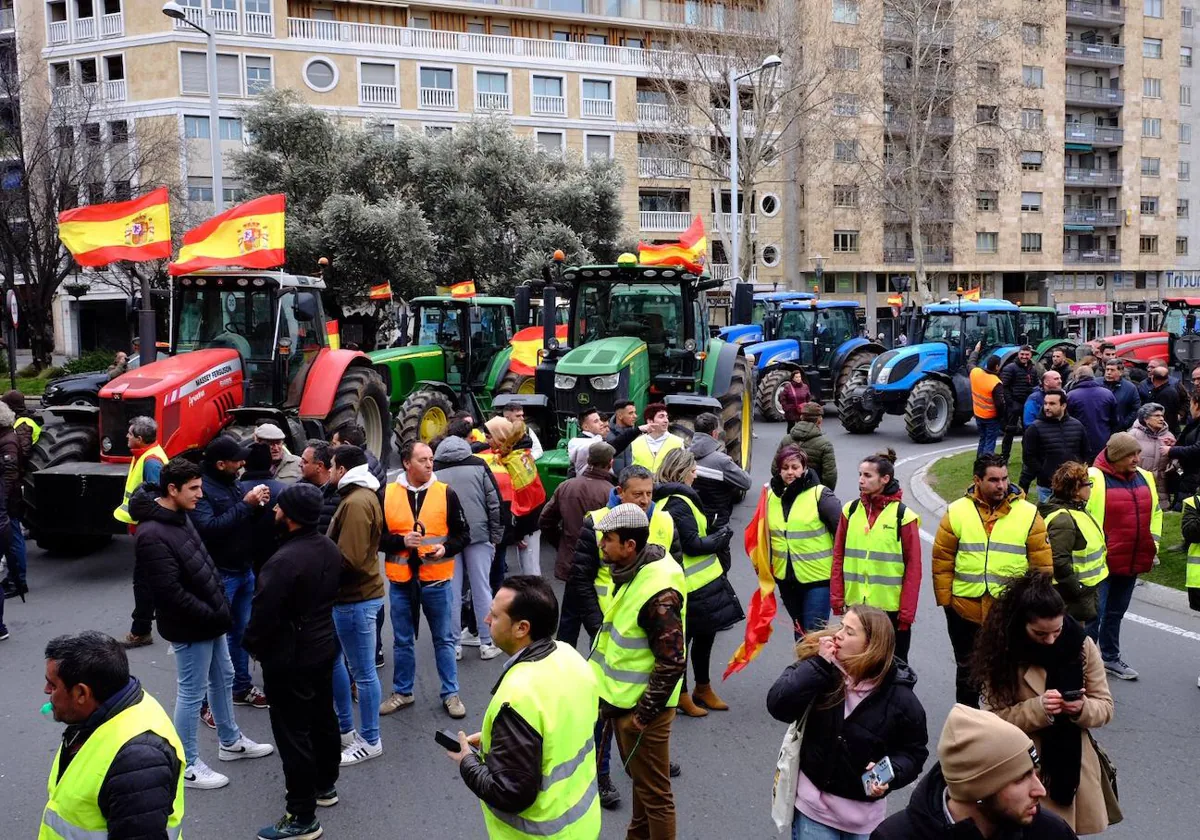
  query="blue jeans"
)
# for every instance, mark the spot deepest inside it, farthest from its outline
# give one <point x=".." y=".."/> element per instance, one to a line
<point x="1115" y="593"/>
<point x="1043" y="494"/>
<point x="989" y="430"/>
<point x="806" y="603"/>
<point x="204" y="666"/>
<point x="603" y="747"/>
<point x="476" y="563"/>
<point x="355" y="625"/>
<point x="437" y="602"/>
<point x="16" y="552"/>
<point x="806" y="828"/>
<point x="239" y="591"/>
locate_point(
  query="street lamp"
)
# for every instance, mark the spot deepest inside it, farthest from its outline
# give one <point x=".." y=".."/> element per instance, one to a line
<point x="176" y="12"/>
<point x="819" y="270"/>
<point x="768" y="63"/>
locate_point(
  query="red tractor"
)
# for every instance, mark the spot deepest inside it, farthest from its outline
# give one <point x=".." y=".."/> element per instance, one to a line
<point x="1175" y="337"/>
<point x="248" y="348"/>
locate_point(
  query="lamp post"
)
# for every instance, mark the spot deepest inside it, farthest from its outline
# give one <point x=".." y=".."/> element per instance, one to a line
<point x="176" y="12"/>
<point x="768" y="63"/>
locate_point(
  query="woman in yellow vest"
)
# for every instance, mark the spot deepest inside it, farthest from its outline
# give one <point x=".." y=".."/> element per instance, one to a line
<point x="877" y="551"/>
<point x="712" y="604"/>
<point x="1076" y="540"/>
<point x="1191" y="538"/>
<point x="802" y="516"/>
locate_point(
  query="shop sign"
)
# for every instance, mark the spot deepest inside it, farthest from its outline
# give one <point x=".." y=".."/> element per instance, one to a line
<point x="1083" y="310"/>
<point x="1183" y="279"/>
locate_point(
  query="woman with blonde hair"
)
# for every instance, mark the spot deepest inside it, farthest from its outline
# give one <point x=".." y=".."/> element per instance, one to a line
<point x="510" y="458"/>
<point x="712" y="605"/>
<point x="860" y="707"/>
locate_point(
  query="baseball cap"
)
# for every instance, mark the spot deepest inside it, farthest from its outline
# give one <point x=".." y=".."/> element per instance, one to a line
<point x="225" y="448"/>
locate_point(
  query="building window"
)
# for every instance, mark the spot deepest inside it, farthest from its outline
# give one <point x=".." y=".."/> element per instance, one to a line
<point x="1147" y="244"/>
<point x="1031" y="119"/>
<point x="436" y="78"/>
<point x="1031" y="202"/>
<point x="231" y="128"/>
<point x="845" y="105"/>
<point x="118" y="132"/>
<point x="845" y="58"/>
<point x="560" y="35"/>
<point x="1185" y="17"/>
<point x="1151" y="167"/>
<point x="1152" y="8"/>
<point x="91" y="134"/>
<point x="1031" y="161"/>
<point x="122" y="191"/>
<point x="845" y="195"/>
<point x="1181" y="248"/>
<point x="987" y="113"/>
<point x="65" y="136"/>
<point x="1032" y="34"/>
<point x="382" y="130"/>
<point x="1149" y="205"/>
<point x="633" y="43"/>
<point x="258" y="75"/>
<point x="1031" y="243"/>
<point x="320" y="74"/>
<point x="598" y="147"/>
<point x="1151" y="88"/>
<point x="95" y="193"/>
<point x="419" y="22"/>
<point x="987" y="241"/>
<point x="1151" y="127"/>
<point x="200" y="189"/>
<point x="1152" y="48"/>
<point x="987" y="74"/>
<point x="768" y="205"/>
<point x="987" y="158"/>
<point x="1185" y="56"/>
<point x="1185" y="170"/>
<point x="770" y="256"/>
<point x="550" y="142"/>
<point x="491" y="91"/>
<point x="1182" y="205"/>
<point x="195" y="128"/>
<point x="193" y="69"/>
<point x="845" y="11"/>
<point x="548" y="96"/>
<point x="987" y="201"/>
<point x="845" y="242"/>
<point x="845" y="151"/>
<point x="435" y="131"/>
<point x="597" y="98"/>
<point x="1185" y="94"/>
<point x="1032" y="76"/>
<point x="989" y="28"/>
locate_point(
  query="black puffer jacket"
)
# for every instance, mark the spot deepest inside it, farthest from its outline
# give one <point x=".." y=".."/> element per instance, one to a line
<point x="138" y="791"/>
<point x="1047" y="445"/>
<point x="715" y="606"/>
<point x="1187" y="451"/>
<point x="225" y="522"/>
<point x="189" y="596"/>
<point x="1019" y="381"/>
<point x="378" y="469"/>
<point x="836" y="750"/>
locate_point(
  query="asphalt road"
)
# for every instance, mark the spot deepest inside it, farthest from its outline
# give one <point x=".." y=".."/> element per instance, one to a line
<point x="728" y="758"/>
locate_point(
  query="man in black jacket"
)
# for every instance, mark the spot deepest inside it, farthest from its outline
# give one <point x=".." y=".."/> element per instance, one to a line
<point x="1019" y="378"/>
<point x="192" y="614"/>
<point x="291" y="633"/>
<point x="1160" y="389"/>
<point x="720" y="482"/>
<point x="88" y="681"/>
<point x="985" y="787"/>
<point x="1052" y="440"/>
<point x="315" y="462"/>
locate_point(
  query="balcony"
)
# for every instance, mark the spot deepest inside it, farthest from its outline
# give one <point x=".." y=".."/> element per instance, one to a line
<point x="260" y="23"/>
<point x="439" y="99"/>
<point x="194" y="15"/>
<point x="664" y="168"/>
<point x="661" y="221"/>
<point x="597" y="108"/>
<point x="550" y="106"/>
<point x="114" y="90"/>
<point x="930" y="214"/>
<point x="380" y="94"/>
<point x="1074" y="176"/>
<point x="112" y="26"/>
<point x="655" y="113"/>
<point x="746" y="118"/>
<point x="1093" y="13"/>
<point x="932" y="256"/>
<point x="7" y="22"/>
<point x="58" y="32"/>
<point x="492" y="102"/>
<point x="724" y="221"/>
<point x="722" y="271"/>
<point x="1095" y="135"/>
<point x="85" y="29"/>
<point x="1094" y="55"/>
<point x="1091" y="256"/>
<point x="938" y="126"/>
<point x="1092" y="95"/>
<point x="1091" y="216"/>
<point x="225" y="21"/>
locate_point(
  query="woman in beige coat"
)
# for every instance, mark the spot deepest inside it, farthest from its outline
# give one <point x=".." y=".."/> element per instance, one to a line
<point x="1040" y="672"/>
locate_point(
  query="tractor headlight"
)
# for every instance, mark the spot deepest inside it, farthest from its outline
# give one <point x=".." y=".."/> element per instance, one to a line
<point x="552" y="344"/>
<point x="690" y="345"/>
<point x="607" y="382"/>
<point x="883" y="376"/>
<point x="106" y="444"/>
<point x="563" y="381"/>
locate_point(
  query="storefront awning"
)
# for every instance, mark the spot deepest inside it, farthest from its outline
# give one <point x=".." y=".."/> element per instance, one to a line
<point x="1079" y="228"/>
<point x="1078" y="147"/>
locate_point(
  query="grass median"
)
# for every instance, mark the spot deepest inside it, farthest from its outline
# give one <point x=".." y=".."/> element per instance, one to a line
<point x="950" y="477"/>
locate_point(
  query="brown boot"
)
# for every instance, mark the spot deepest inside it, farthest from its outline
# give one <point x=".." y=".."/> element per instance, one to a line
<point x="705" y="696"/>
<point x="688" y="707"/>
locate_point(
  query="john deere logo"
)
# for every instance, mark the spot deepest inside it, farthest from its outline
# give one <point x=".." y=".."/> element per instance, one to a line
<point x="584" y="398"/>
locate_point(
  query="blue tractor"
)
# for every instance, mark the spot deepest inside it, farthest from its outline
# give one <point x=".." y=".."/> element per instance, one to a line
<point x="756" y="317"/>
<point x="927" y="381"/>
<point x="820" y="338"/>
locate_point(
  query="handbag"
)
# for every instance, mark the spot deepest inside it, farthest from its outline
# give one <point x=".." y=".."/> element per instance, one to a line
<point x="787" y="773"/>
<point x="1108" y="782"/>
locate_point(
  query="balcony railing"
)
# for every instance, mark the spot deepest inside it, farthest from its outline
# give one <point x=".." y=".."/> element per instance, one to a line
<point x="85" y="29"/>
<point x="1092" y="256"/>
<point x="601" y="108"/>
<point x="1091" y="216"/>
<point x="1091" y="94"/>
<point x="194" y="15"/>
<point x="898" y="124"/>
<point x="112" y="25"/>
<point x="554" y="106"/>
<point x="745" y="116"/>
<point x="1086" y="53"/>
<point x="225" y="20"/>
<point x="724" y="221"/>
<point x="1081" y="11"/>
<point x="721" y="271"/>
<point x="1073" y="175"/>
<point x="492" y="101"/>
<point x="260" y="23"/>
<point x="932" y="256"/>
<point x="379" y="94"/>
<point x="441" y="99"/>
<point x="664" y="221"/>
<point x="1097" y="135"/>
<point x="114" y="90"/>
<point x="58" y="32"/>
<point x="660" y="114"/>
<point x="7" y="21"/>
<point x="664" y="168"/>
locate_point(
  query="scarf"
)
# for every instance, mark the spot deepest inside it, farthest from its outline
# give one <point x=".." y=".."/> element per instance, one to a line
<point x="1062" y="742"/>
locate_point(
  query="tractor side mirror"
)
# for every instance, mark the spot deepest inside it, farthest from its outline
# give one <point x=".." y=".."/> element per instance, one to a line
<point x="306" y="306"/>
<point x="521" y="298"/>
<point x="743" y="303"/>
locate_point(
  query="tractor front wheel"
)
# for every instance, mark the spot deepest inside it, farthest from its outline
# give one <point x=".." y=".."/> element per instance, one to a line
<point x="737" y="414"/>
<point x="929" y="411"/>
<point x="858" y="359"/>
<point x="515" y="383"/>
<point x="62" y="443"/>
<point x="362" y="399"/>
<point x="424" y="416"/>
<point x="855" y="419"/>
<point x="770" y="408"/>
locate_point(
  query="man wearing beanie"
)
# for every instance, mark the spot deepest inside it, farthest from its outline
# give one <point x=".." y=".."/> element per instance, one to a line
<point x="291" y="634"/>
<point x="1124" y="502"/>
<point x="985" y="786"/>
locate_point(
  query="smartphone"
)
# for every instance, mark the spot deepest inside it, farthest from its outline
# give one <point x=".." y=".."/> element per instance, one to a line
<point x="447" y="740"/>
<point x="880" y="774"/>
<point x="1072" y="696"/>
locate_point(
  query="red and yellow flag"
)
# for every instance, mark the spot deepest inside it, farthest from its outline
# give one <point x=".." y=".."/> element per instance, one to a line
<point x="517" y="479"/>
<point x="137" y="230"/>
<point x="381" y="292"/>
<point x="971" y="294"/>
<point x="249" y="235"/>
<point x="895" y="300"/>
<point x="688" y="252"/>
<point x="525" y="346"/>
<point x="762" y="608"/>
<point x="464" y="289"/>
<point x="333" y="335"/>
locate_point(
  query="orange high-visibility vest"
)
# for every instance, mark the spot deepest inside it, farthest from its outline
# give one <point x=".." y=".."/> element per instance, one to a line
<point x="400" y="520"/>
<point x="982" y="385"/>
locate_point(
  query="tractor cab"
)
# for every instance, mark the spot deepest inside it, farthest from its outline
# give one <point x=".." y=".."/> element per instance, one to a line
<point x="820" y="326"/>
<point x="960" y="326"/>
<point x="1181" y="323"/>
<point x="760" y="321"/>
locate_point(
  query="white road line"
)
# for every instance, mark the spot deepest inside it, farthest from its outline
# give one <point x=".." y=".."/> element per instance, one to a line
<point x="933" y="452"/>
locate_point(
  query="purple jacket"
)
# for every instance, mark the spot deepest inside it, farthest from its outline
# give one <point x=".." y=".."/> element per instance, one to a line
<point x="1095" y="407"/>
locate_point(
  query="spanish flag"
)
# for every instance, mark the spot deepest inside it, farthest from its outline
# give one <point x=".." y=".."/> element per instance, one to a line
<point x="249" y="235"/>
<point x="517" y="479"/>
<point x="525" y="346"/>
<point x="136" y="231"/>
<point x="333" y="335"/>
<point x="464" y="289"/>
<point x="762" y="609"/>
<point x="971" y="294"/>
<point x="688" y="252"/>
<point x="381" y="292"/>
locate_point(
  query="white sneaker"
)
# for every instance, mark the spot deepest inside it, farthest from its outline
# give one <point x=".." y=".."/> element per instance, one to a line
<point x="202" y="777"/>
<point x="489" y="651"/>
<point x="243" y="747"/>
<point x="361" y="751"/>
<point x="469" y="639"/>
<point x="350" y="738"/>
<point x="458" y="653"/>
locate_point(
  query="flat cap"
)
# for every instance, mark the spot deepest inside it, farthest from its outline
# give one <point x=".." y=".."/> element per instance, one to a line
<point x="621" y="517"/>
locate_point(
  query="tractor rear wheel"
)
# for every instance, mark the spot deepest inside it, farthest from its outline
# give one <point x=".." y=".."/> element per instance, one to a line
<point x="859" y="358"/>
<point x="362" y="399"/>
<point x="766" y="396"/>
<point x="737" y="413"/>
<point x="929" y="411"/>
<point x="63" y="443"/>
<point x="515" y="383"/>
<point x="424" y="416"/>
<point x="855" y="419"/>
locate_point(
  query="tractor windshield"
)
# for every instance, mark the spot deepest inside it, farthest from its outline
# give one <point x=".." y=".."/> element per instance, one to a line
<point x="1037" y="327"/>
<point x="961" y="332"/>
<point x="759" y="312"/>
<point x="819" y="331"/>
<point x="241" y="320"/>
<point x="652" y="312"/>
<point x="1183" y="320"/>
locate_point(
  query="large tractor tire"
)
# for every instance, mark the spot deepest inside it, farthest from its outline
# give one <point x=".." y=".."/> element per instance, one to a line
<point x="855" y="419"/>
<point x="859" y="358"/>
<point x="929" y="412"/>
<point x="424" y="416"/>
<point x="362" y="399"/>
<point x="737" y="413"/>
<point x="515" y="383"/>
<point x="63" y="443"/>
<point x="766" y="396"/>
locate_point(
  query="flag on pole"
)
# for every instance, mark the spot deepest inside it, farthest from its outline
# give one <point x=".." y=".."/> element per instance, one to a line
<point x="333" y="335"/>
<point x="464" y="289"/>
<point x="381" y="292"/>
<point x="525" y="346"/>
<point x="971" y="294"/>
<point x="249" y="235"/>
<point x="136" y="230"/>
<point x="762" y="608"/>
<point x="688" y="252"/>
<point x="895" y="300"/>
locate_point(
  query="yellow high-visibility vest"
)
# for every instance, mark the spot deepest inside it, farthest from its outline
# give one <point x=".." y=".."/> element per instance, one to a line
<point x="989" y="562"/>
<point x="134" y="480"/>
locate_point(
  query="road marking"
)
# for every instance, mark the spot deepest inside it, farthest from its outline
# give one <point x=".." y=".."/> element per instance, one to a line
<point x="932" y="452"/>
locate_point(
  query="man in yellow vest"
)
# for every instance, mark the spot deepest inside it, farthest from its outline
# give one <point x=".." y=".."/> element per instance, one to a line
<point x="1191" y="538"/>
<point x="986" y="539"/>
<point x="535" y="769"/>
<point x="148" y="460"/>
<point x="638" y="659"/>
<point x="115" y="730"/>
<point x="987" y="402"/>
<point x="649" y="448"/>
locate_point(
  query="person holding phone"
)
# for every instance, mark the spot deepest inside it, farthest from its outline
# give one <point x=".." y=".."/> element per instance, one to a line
<point x="1039" y="671"/>
<point x="862" y="717"/>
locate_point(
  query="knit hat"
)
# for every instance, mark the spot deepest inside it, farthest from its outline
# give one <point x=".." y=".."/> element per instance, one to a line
<point x="14" y="400"/>
<point x="812" y="409"/>
<point x="268" y="432"/>
<point x="621" y="517"/>
<point x="301" y="503"/>
<point x="981" y="753"/>
<point x="1121" y="445"/>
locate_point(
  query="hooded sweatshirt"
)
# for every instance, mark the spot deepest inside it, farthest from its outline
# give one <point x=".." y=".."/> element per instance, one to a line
<point x="357" y="527"/>
<point x="472" y="481"/>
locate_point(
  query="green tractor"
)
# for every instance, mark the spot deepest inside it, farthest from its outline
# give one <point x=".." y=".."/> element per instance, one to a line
<point x="456" y="357"/>
<point x="1041" y="328"/>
